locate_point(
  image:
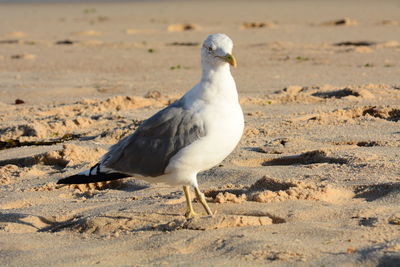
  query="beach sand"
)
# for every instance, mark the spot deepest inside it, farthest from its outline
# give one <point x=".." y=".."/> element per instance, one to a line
<point x="314" y="181"/>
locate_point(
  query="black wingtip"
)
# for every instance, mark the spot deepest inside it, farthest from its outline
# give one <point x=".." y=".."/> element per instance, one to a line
<point x="83" y="179"/>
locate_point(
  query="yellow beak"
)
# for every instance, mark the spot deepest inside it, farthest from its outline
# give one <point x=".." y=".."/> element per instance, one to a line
<point x="230" y="59"/>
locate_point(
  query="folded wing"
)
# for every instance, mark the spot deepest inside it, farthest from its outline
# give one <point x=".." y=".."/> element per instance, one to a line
<point x="148" y="150"/>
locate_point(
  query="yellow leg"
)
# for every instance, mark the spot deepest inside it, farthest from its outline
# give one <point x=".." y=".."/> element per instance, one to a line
<point x="190" y="213"/>
<point x="202" y="199"/>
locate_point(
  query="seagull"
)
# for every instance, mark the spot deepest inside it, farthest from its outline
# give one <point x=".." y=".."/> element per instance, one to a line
<point x="191" y="135"/>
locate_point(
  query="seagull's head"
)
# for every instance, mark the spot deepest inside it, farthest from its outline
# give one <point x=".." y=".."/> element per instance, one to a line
<point x="217" y="50"/>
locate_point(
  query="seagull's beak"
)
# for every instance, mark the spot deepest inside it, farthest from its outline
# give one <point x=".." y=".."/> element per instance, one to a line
<point x="230" y="59"/>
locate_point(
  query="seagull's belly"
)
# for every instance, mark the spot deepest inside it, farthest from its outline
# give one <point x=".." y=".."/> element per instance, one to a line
<point x="224" y="131"/>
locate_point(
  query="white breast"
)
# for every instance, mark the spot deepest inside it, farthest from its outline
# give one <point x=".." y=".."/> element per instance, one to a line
<point x="222" y="137"/>
<point x="224" y="123"/>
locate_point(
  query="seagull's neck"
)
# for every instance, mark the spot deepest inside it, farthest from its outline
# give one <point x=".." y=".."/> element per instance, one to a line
<point x="215" y="73"/>
<point x="216" y="83"/>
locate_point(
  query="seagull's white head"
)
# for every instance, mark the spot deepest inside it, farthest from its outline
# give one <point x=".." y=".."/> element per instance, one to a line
<point x="217" y="50"/>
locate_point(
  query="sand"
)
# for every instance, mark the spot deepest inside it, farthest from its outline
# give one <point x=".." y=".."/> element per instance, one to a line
<point x="314" y="181"/>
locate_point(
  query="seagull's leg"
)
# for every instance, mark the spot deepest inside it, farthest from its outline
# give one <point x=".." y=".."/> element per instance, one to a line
<point x="202" y="199"/>
<point x="190" y="213"/>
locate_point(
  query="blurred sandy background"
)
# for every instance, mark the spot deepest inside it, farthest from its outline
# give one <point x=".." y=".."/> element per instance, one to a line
<point x="314" y="181"/>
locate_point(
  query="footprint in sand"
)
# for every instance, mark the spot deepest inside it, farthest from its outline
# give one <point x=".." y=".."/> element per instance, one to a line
<point x="352" y="115"/>
<point x="390" y="22"/>
<point x="182" y="27"/>
<point x="386" y="113"/>
<point x="343" y="93"/>
<point x="386" y="191"/>
<point x="23" y="56"/>
<point x="257" y="25"/>
<point x="341" y="22"/>
<point x="359" y="143"/>
<point x="306" y="158"/>
<point x="184" y="44"/>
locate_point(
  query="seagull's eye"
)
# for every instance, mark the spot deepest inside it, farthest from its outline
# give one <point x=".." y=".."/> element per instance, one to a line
<point x="210" y="49"/>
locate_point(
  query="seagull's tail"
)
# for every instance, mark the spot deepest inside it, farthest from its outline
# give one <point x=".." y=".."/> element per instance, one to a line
<point x="93" y="175"/>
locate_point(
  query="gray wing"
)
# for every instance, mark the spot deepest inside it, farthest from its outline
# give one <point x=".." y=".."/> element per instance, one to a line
<point x="148" y="150"/>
